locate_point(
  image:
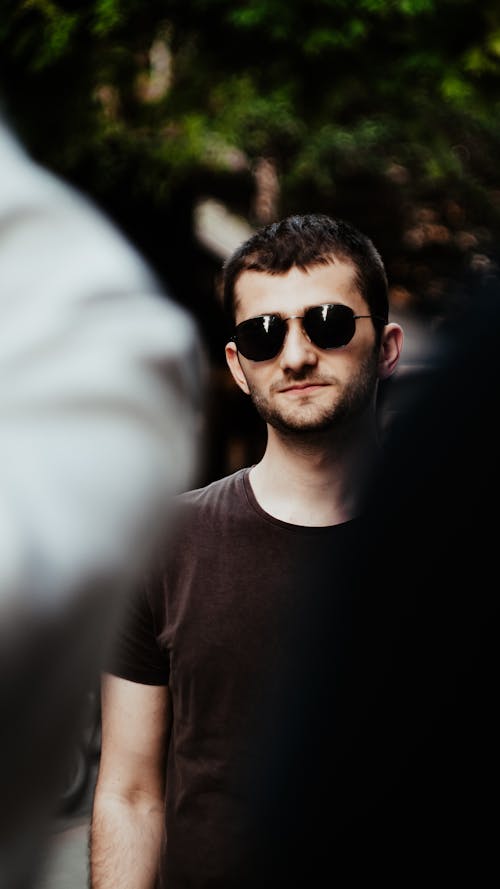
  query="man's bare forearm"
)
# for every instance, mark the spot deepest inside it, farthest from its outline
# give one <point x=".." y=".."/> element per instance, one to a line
<point x="125" y="841"/>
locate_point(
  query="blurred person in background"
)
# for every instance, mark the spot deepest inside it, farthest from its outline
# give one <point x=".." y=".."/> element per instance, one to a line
<point x="212" y="633"/>
<point x="101" y="403"/>
<point x="381" y="762"/>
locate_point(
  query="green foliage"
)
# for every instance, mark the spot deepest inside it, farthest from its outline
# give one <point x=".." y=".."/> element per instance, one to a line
<point x="44" y="32"/>
<point x="404" y="94"/>
<point x="108" y="14"/>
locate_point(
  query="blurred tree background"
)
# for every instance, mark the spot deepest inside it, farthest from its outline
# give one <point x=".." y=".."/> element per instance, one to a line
<point x="177" y="116"/>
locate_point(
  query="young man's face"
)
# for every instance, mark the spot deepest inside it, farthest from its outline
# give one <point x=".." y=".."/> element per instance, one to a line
<point x="306" y="388"/>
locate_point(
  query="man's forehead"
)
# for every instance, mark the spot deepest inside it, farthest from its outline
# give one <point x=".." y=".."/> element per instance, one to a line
<point x="270" y="292"/>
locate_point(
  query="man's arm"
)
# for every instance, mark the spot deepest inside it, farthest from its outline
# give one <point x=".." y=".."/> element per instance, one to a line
<point x="128" y="812"/>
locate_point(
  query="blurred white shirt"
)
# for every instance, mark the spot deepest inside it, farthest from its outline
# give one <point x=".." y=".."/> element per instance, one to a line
<point x="101" y="412"/>
<point x="101" y="381"/>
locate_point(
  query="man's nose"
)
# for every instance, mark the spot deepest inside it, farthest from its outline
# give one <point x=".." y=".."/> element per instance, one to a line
<point x="297" y="351"/>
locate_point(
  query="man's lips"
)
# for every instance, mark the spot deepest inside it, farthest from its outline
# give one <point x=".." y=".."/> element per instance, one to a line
<point x="302" y="387"/>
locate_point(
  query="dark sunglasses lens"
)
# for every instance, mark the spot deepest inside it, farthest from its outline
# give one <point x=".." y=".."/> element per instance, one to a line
<point x="260" y="339"/>
<point x="330" y="327"/>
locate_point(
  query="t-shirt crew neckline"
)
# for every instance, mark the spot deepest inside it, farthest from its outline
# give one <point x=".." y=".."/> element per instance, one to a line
<point x="298" y="529"/>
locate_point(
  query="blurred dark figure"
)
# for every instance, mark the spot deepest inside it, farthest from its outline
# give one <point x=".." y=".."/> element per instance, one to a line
<point x="380" y="757"/>
<point x="100" y="402"/>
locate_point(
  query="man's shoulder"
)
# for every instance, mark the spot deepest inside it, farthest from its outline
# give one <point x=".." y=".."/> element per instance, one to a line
<point x="217" y="493"/>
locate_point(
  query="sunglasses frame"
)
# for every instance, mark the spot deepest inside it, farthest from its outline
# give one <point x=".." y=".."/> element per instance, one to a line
<point x="275" y="315"/>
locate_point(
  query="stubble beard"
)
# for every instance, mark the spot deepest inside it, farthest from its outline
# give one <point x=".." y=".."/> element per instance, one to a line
<point x="309" y="420"/>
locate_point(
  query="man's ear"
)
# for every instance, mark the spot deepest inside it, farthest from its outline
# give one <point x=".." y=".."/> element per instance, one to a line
<point x="233" y="361"/>
<point x="390" y="350"/>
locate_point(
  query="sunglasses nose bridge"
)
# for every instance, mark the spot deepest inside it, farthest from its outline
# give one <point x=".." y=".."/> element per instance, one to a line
<point x="298" y="348"/>
<point x="301" y="326"/>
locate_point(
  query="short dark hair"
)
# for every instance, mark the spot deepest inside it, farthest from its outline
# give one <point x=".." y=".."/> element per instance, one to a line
<point x="305" y="241"/>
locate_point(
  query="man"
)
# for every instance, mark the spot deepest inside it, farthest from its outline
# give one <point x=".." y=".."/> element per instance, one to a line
<point x="213" y="632"/>
<point x="100" y="403"/>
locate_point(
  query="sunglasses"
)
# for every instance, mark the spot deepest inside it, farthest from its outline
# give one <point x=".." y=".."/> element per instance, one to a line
<point x="329" y="326"/>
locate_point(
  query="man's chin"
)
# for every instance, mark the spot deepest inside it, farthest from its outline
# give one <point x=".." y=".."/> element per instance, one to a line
<point x="292" y="426"/>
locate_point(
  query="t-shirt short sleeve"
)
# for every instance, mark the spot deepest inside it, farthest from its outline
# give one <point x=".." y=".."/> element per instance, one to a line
<point x="135" y="653"/>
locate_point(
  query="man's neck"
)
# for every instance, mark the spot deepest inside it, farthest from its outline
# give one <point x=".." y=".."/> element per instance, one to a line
<point x="313" y="481"/>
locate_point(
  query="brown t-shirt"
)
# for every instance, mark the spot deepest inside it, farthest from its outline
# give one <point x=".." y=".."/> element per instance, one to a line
<point x="221" y="626"/>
